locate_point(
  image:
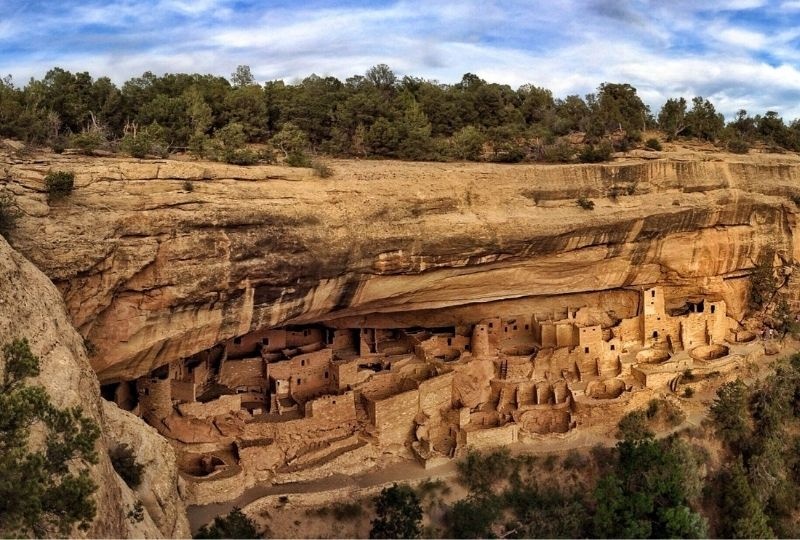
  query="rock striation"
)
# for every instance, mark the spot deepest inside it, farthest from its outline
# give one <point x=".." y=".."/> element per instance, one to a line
<point x="152" y="271"/>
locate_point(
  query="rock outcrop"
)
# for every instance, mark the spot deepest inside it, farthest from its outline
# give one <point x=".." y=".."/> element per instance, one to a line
<point x="31" y="307"/>
<point x="160" y="490"/>
<point x="152" y="271"/>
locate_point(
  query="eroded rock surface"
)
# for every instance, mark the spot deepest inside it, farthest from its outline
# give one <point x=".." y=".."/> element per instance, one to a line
<point x="31" y="307"/>
<point x="152" y="272"/>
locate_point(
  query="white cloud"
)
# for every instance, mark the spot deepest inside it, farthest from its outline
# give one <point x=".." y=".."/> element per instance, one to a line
<point x="570" y="46"/>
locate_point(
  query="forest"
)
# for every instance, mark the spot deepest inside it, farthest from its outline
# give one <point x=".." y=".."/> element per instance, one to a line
<point x="378" y="115"/>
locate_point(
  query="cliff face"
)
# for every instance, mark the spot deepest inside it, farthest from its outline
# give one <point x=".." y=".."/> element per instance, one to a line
<point x="151" y="271"/>
<point x="31" y="307"/>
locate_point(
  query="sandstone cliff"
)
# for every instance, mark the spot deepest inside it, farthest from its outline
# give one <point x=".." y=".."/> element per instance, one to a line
<point x="31" y="307"/>
<point x="152" y="271"/>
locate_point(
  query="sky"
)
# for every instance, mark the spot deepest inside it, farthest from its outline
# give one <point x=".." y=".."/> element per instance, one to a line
<point x="740" y="54"/>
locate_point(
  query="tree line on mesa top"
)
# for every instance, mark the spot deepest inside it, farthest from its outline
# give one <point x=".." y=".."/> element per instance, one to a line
<point x="377" y="114"/>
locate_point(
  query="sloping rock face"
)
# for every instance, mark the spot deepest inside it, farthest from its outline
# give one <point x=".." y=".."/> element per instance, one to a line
<point x="152" y="271"/>
<point x="160" y="487"/>
<point x="31" y="307"/>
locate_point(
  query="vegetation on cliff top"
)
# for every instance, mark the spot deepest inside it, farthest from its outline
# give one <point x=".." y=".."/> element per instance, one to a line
<point x="372" y="115"/>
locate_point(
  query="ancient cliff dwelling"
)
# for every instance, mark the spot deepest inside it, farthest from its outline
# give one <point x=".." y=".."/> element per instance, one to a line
<point x="286" y="399"/>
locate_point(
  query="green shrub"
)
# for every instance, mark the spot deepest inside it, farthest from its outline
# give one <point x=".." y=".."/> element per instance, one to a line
<point x="574" y="460"/>
<point x="596" y="154"/>
<point x="321" y="169"/>
<point x="123" y="459"/>
<point x="8" y="214"/>
<point x="398" y="513"/>
<point x="633" y="426"/>
<point x="59" y="184"/>
<point x="242" y="156"/>
<point x="738" y="146"/>
<point x="653" y="144"/>
<point x="560" y="152"/>
<point x="298" y="159"/>
<point x="585" y="203"/>
<point x="88" y="141"/>
<point x="345" y="511"/>
<point x="467" y="143"/>
<point x="149" y="140"/>
<point x="234" y="525"/>
<point x="688" y="392"/>
<point x="188" y="186"/>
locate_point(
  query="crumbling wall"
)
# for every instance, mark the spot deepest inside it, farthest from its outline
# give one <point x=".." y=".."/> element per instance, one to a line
<point x="155" y="397"/>
<point x="248" y="372"/>
<point x="436" y="394"/>
<point x="215" y="407"/>
<point x="491" y="437"/>
<point x="336" y="408"/>
<point x="394" y="417"/>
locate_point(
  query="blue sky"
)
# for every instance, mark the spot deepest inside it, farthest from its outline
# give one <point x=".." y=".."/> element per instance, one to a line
<point x="738" y="53"/>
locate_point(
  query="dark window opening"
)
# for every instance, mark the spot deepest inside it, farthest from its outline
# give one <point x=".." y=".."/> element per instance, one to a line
<point x="449" y="341"/>
<point x="466" y="347"/>
<point x="527" y="327"/>
<point x="298" y="381"/>
<point x="491" y="325"/>
<point x="652" y="294"/>
<point x="265" y="341"/>
<point x="655" y="334"/>
<point x="302" y="362"/>
<point x="326" y="374"/>
<point x="586" y="350"/>
<point x="613" y="347"/>
<point x="515" y="327"/>
<point x="713" y="309"/>
<point x="237" y="341"/>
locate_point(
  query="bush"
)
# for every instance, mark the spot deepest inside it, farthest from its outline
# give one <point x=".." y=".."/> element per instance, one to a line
<point x="398" y="513"/>
<point x="795" y="198"/>
<point x="633" y="426"/>
<point x="738" y="146"/>
<point x="144" y="142"/>
<point x="88" y="141"/>
<point x="560" y="152"/>
<point x="298" y="159"/>
<point x="123" y="459"/>
<point x="574" y="460"/>
<point x="59" y="184"/>
<point x="188" y="186"/>
<point x="585" y="203"/>
<point x="234" y="525"/>
<point x="344" y="511"/>
<point x="653" y="144"/>
<point x="243" y="156"/>
<point x="688" y="392"/>
<point x="321" y="169"/>
<point x="8" y="214"/>
<point x="596" y="154"/>
<point x="467" y="143"/>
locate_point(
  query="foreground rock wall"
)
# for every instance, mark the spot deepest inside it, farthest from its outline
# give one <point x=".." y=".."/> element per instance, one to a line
<point x="152" y="272"/>
<point x="31" y="307"/>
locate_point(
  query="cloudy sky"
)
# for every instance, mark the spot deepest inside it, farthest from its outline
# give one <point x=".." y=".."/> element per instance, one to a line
<point x="738" y="53"/>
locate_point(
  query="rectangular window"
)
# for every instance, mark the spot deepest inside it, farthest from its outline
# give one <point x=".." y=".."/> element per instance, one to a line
<point x="586" y="350"/>
<point x="652" y="294"/>
<point x="613" y="347"/>
<point x="326" y="374"/>
<point x="237" y="341"/>
<point x="298" y="381"/>
<point x="265" y="341"/>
